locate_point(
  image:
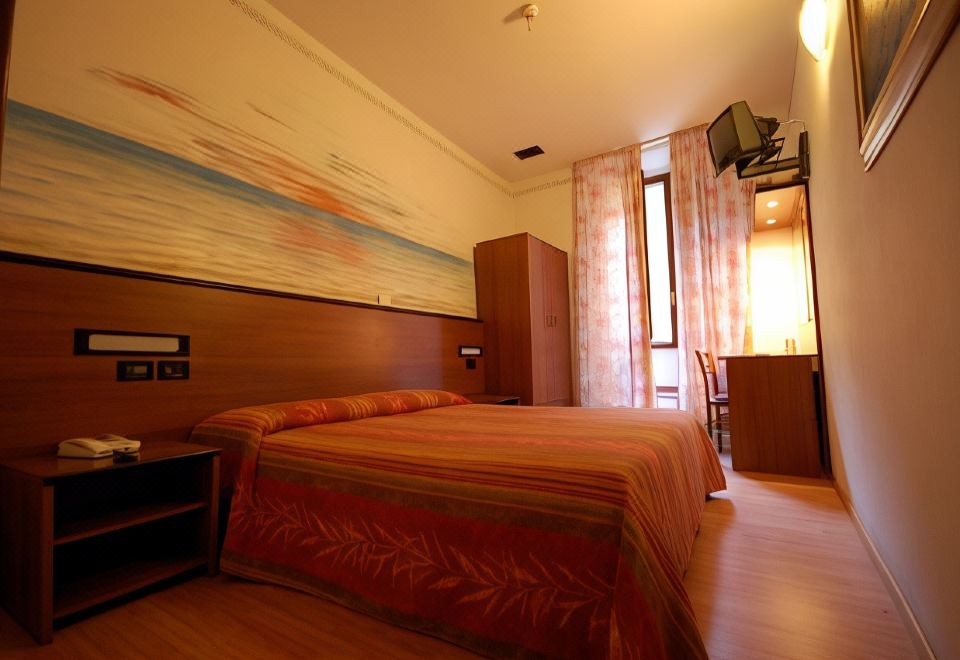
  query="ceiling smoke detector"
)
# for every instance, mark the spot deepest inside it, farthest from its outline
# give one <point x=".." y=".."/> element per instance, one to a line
<point x="530" y="12"/>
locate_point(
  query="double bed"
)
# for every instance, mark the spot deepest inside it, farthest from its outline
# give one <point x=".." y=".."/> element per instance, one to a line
<point x="514" y="532"/>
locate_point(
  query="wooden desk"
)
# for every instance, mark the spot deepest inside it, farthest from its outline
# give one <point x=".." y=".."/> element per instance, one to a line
<point x="773" y="413"/>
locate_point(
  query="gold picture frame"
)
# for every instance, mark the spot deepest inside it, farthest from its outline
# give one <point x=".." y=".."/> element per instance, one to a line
<point x="895" y="43"/>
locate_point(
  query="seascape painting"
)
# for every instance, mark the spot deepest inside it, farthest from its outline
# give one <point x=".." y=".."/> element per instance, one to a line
<point x="116" y="159"/>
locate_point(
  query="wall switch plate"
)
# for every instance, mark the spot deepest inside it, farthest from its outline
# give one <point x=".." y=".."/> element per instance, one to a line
<point x="384" y="299"/>
<point x="134" y="370"/>
<point x="173" y="370"/>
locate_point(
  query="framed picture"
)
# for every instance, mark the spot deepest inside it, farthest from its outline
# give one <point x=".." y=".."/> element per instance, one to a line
<point x="895" y="42"/>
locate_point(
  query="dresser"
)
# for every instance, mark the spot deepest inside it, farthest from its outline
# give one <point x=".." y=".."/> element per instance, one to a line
<point x="774" y="421"/>
<point x="522" y="298"/>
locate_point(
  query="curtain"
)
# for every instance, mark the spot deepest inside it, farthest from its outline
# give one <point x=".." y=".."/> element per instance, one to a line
<point x="614" y="361"/>
<point x="713" y="223"/>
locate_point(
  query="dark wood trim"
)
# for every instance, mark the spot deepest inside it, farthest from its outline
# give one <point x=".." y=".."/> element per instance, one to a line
<point x="821" y="394"/>
<point x="766" y="187"/>
<point x="6" y="43"/>
<point x="50" y="262"/>
<point x="244" y="350"/>
<point x="668" y="207"/>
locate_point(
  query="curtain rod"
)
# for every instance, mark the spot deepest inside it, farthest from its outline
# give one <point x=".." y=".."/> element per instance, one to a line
<point x="654" y="143"/>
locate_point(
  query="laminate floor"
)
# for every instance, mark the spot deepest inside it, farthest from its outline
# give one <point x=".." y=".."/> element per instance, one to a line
<point x="778" y="571"/>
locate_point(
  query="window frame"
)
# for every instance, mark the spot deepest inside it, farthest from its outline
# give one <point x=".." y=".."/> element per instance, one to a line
<point x="668" y="211"/>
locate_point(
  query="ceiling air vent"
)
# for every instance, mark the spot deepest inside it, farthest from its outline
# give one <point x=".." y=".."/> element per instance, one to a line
<point x="529" y="152"/>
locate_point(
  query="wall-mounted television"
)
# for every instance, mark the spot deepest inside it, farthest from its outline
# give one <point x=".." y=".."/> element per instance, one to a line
<point x="738" y="137"/>
<point x="734" y="136"/>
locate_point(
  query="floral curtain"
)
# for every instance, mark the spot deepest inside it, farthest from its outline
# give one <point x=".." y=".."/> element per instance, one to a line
<point x="713" y="223"/>
<point x="614" y="361"/>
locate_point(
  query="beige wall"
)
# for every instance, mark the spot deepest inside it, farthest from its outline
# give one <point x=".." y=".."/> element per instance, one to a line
<point x="543" y="206"/>
<point x="887" y="245"/>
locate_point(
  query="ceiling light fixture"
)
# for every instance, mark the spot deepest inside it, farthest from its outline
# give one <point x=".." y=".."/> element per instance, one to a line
<point x="772" y="204"/>
<point x="813" y="27"/>
<point x="530" y="12"/>
<point x="771" y="221"/>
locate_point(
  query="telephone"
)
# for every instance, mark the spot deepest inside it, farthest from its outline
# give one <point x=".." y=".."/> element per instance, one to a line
<point x="103" y="446"/>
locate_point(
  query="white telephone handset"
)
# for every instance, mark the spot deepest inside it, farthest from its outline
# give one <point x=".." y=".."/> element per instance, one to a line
<point x="102" y="446"/>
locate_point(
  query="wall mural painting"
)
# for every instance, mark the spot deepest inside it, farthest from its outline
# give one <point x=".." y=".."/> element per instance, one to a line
<point x="109" y="165"/>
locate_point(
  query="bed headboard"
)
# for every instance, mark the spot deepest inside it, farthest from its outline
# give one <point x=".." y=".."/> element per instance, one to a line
<point x="246" y="348"/>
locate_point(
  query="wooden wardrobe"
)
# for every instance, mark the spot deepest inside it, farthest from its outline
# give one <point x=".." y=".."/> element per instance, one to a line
<point x="522" y="300"/>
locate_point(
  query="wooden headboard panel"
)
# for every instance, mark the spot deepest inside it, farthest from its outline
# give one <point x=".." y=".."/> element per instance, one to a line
<point x="246" y="348"/>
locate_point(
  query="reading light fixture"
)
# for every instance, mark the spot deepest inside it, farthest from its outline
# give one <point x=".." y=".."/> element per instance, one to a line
<point x="119" y="342"/>
<point x="813" y="27"/>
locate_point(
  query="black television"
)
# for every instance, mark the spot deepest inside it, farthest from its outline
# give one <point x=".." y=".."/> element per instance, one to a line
<point x="735" y="136"/>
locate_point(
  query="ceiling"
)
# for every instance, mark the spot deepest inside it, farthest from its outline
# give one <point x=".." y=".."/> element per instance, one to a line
<point x="786" y="209"/>
<point x="588" y="78"/>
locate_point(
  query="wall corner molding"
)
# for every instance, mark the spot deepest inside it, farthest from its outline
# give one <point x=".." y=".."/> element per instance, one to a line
<point x="556" y="183"/>
<point x="910" y="622"/>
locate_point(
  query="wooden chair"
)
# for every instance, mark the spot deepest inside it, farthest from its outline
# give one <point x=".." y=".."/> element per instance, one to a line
<point x="717" y="401"/>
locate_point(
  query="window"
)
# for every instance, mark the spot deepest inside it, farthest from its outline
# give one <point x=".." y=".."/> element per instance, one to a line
<point x="661" y="281"/>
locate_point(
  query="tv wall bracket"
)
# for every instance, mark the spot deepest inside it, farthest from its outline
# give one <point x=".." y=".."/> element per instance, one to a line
<point x="768" y="161"/>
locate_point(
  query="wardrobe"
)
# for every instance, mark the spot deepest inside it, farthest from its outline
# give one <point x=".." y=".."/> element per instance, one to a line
<point x="523" y="301"/>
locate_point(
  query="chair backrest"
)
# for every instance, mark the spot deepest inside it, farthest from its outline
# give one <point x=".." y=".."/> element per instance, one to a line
<point x="708" y="369"/>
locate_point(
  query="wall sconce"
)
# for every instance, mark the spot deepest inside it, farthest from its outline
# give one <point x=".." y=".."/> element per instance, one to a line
<point x="118" y="342"/>
<point x="471" y="351"/>
<point x="813" y="27"/>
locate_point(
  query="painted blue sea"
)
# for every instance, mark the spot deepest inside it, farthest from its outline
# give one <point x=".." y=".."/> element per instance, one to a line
<point x="75" y="192"/>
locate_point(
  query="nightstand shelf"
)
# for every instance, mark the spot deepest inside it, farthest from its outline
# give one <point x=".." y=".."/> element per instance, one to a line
<point x="78" y="533"/>
<point x="78" y="530"/>
<point x="87" y="591"/>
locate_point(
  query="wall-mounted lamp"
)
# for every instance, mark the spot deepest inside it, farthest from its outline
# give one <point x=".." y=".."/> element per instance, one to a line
<point x="813" y="27"/>
<point x="471" y="353"/>
<point x="119" y="342"/>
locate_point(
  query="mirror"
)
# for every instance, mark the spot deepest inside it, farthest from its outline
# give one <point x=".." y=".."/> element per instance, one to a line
<point x="781" y="272"/>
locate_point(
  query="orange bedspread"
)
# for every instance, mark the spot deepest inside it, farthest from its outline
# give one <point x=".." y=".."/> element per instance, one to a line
<point x="513" y="531"/>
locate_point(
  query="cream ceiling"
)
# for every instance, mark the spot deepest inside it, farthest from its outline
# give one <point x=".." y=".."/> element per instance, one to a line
<point x="786" y="210"/>
<point x="591" y="76"/>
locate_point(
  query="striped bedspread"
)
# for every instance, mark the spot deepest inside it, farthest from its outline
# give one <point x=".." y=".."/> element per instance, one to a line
<point x="512" y="531"/>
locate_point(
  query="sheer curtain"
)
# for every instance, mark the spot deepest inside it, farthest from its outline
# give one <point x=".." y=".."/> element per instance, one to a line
<point x="713" y="219"/>
<point x="614" y="361"/>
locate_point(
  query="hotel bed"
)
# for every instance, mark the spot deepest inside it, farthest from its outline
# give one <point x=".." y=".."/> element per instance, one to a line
<point x="515" y="532"/>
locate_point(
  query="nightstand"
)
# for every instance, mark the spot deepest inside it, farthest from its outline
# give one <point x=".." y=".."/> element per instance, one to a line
<point x="497" y="399"/>
<point x="80" y="532"/>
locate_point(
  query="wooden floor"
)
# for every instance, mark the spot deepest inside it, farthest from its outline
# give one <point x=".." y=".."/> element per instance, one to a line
<point x="778" y="571"/>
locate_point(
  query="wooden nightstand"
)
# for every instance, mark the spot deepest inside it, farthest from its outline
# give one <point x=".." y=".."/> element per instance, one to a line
<point x="80" y="532"/>
<point x="498" y="399"/>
